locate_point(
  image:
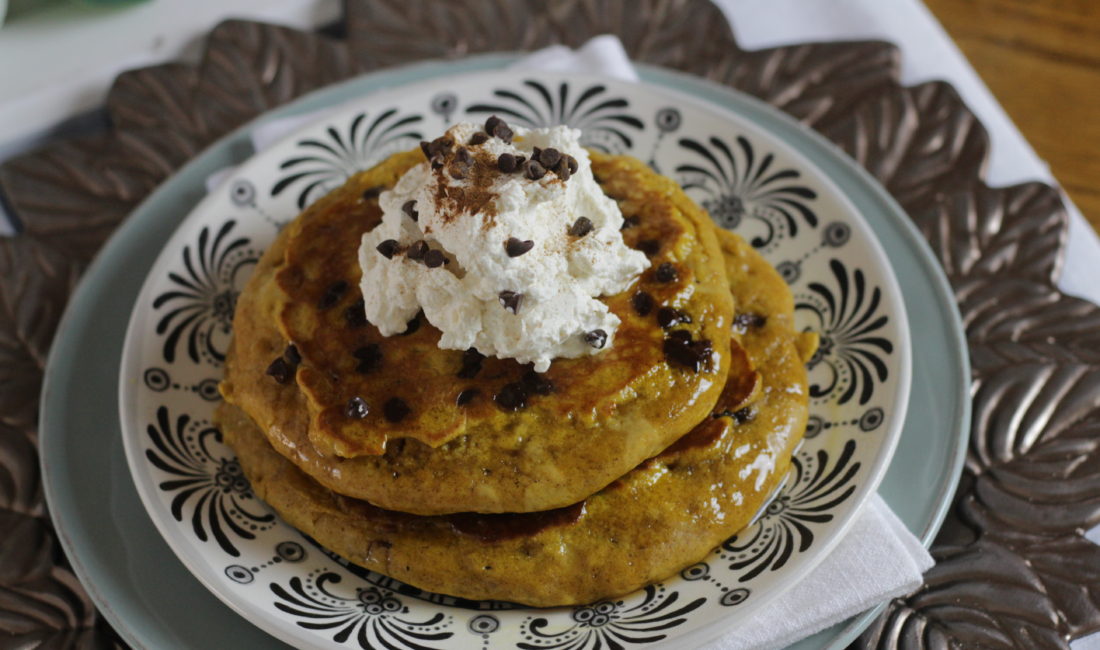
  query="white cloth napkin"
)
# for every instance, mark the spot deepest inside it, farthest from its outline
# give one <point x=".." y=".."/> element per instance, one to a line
<point x="877" y="560"/>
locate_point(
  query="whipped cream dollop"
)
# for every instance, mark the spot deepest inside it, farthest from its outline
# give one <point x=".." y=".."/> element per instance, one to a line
<point x="505" y="241"/>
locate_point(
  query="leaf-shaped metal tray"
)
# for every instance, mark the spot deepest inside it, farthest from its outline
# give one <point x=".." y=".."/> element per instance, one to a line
<point x="1014" y="569"/>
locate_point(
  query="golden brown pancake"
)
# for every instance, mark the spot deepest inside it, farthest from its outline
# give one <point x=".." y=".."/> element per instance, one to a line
<point x="586" y="421"/>
<point x="665" y="514"/>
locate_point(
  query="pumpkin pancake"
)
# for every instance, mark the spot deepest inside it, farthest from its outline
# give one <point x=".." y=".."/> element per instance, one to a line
<point x="666" y="513"/>
<point x="449" y="431"/>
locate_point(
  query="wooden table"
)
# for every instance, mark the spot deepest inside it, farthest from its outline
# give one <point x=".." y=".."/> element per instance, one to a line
<point x="1041" y="59"/>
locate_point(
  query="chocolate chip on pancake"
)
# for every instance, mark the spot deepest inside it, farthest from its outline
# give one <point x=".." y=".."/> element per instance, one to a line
<point x="279" y="370"/>
<point x="388" y="248"/>
<point x="666" y="272"/>
<point x="355" y="315"/>
<point x="357" y="408"/>
<point x="372" y="192"/>
<point x="533" y="170"/>
<point x="507" y="163"/>
<point x="413" y="325"/>
<point x="669" y="316"/>
<point x="512" y="397"/>
<point x="417" y="250"/>
<point x="596" y="338"/>
<point x="650" y="247"/>
<point x="434" y="258"/>
<point x="537" y="383"/>
<point x="497" y="127"/>
<point x="516" y="247"/>
<point x="466" y="396"/>
<point x="510" y="300"/>
<point x="694" y="355"/>
<point x="291" y="354"/>
<point x="395" y="409"/>
<point x="369" y="356"/>
<point x="642" y="302"/>
<point x="630" y="222"/>
<point x="332" y="295"/>
<point x="471" y="364"/>
<point x="581" y="227"/>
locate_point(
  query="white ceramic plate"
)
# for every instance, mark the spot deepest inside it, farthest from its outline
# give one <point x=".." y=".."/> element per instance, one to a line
<point x="749" y="180"/>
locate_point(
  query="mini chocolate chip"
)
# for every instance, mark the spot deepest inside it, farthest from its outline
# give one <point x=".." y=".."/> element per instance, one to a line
<point x="511" y="397"/>
<point x="417" y="250"/>
<point x="279" y="370"/>
<point x="437" y="162"/>
<point x="537" y="383"/>
<point x="355" y="314"/>
<point x="413" y="325"/>
<point x="533" y="170"/>
<point x="572" y="164"/>
<point x="507" y="163"/>
<point x="466" y="396"/>
<point x="471" y="364"/>
<point x="694" y="355"/>
<point x="497" y="127"/>
<point x="630" y="222"/>
<point x="478" y="138"/>
<point x="643" y="303"/>
<point x="395" y="409"/>
<point x="369" y="356"/>
<point x="667" y="317"/>
<point x="426" y="147"/>
<point x="749" y="319"/>
<point x="357" y="408"/>
<point x="549" y="157"/>
<point x="596" y="338"/>
<point x="650" y="247"/>
<point x="536" y="153"/>
<point x="581" y="227"/>
<point x="562" y="170"/>
<point x="434" y="258"/>
<point x="510" y="300"/>
<point x="682" y="335"/>
<point x="515" y="247"/>
<point x="743" y="415"/>
<point x="332" y="294"/>
<point x="410" y="209"/>
<point x="373" y="192"/>
<point x="438" y="147"/>
<point x="666" y="272"/>
<point x="291" y="354"/>
<point x="388" y="248"/>
<point x="519" y="160"/>
<point x="463" y="156"/>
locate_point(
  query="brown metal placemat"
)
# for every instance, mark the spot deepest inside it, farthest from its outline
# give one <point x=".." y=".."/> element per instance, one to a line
<point x="1013" y="568"/>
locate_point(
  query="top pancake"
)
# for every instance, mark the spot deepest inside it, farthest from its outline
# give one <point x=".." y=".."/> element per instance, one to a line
<point x="586" y="421"/>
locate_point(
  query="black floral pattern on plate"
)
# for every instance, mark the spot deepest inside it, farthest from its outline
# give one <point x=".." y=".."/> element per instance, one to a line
<point x="199" y="307"/>
<point x="206" y="481"/>
<point x="605" y="121"/>
<point x="816" y="486"/>
<point x="612" y="624"/>
<point x="324" y="162"/>
<point x="736" y="184"/>
<point x="374" y="618"/>
<point x="847" y="315"/>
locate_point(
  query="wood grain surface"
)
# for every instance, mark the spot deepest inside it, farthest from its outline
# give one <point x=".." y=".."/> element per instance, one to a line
<point x="1041" y="59"/>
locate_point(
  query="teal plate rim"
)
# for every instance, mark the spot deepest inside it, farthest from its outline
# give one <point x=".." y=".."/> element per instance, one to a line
<point x="153" y="601"/>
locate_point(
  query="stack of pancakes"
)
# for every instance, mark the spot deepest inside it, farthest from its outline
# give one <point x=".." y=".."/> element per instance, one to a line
<point x="480" y="478"/>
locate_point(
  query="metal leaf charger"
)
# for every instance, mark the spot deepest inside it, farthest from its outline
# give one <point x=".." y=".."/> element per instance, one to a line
<point x="1013" y="567"/>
